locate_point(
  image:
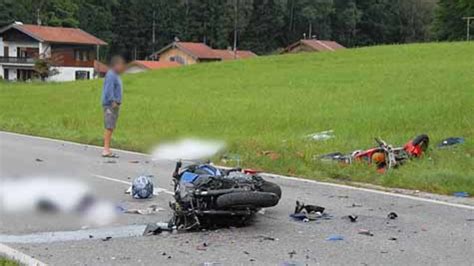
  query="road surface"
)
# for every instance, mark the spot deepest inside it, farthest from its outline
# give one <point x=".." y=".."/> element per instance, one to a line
<point x="425" y="232"/>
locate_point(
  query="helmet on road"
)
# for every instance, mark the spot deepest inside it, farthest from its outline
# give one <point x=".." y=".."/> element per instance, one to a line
<point x="142" y="187"/>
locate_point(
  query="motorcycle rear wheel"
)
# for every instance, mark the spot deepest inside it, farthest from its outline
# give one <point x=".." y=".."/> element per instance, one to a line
<point x="251" y="199"/>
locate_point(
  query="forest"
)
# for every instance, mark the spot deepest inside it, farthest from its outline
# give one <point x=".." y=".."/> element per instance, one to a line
<point x="136" y="28"/>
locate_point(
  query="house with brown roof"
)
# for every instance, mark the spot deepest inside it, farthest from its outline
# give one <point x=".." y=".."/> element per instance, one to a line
<point x="313" y="45"/>
<point x="138" y="66"/>
<point x="71" y="51"/>
<point x="188" y="53"/>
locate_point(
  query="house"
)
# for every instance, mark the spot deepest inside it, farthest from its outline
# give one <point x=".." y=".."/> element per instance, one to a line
<point x="141" y="66"/>
<point x="71" y="51"/>
<point x="188" y="53"/>
<point x="100" y="69"/>
<point x="313" y="46"/>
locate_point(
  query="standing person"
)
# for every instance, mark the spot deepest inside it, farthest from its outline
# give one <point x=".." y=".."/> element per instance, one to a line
<point x="111" y="101"/>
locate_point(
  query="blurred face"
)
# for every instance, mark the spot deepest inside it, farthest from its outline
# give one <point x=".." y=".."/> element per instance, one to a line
<point x="119" y="67"/>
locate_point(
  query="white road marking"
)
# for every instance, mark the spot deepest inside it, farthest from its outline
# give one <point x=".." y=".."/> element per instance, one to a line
<point x="78" y="235"/>
<point x="439" y="202"/>
<point x="18" y="256"/>
<point x="398" y="195"/>
<point x="158" y="190"/>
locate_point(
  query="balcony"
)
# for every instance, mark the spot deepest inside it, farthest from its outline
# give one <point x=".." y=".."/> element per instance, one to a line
<point x="17" y="60"/>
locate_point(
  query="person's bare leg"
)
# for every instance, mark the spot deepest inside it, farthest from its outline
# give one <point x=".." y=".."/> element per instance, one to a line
<point x="107" y="140"/>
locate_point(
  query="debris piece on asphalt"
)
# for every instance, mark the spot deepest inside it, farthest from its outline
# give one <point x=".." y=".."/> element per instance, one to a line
<point x="461" y="194"/>
<point x="470" y="219"/>
<point x="321" y="136"/>
<point x="392" y="216"/>
<point x="106" y="238"/>
<point x="134" y="161"/>
<point x="355" y="205"/>
<point x="291" y="263"/>
<point x="110" y="161"/>
<point x="150" y="210"/>
<point x="335" y="238"/>
<point x="292" y="253"/>
<point x="39" y="160"/>
<point x="91" y="236"/>
<point x="392" y="239"/>
<point x="352" y="218"/>
<point x="158" y="228"/>
<point x="451" y="142"/>
<point x="267" y="238"/>
<point x="300" y="206"/>
<point x="365" y="232"/>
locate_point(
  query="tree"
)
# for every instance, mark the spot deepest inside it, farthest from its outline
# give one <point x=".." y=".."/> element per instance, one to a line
<point x="448" y="19"/>
<point x="264" y="31"/>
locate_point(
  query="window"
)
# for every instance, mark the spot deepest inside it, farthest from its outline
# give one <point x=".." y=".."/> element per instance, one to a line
<point x="178" y="59"/>
<point x="81" y="55"/>
<point x="82" y="75"/>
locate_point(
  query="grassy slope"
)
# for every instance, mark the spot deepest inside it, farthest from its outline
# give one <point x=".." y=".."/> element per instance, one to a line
<point x="269" y="103"/>
<point x="5" y="262"/>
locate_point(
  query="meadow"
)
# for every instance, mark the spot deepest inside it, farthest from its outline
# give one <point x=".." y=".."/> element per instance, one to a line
<point x="264" y="107"/>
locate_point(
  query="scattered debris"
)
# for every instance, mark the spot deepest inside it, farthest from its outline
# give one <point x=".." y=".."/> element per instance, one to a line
<point x="321" y="136"/>
<point x="202" y="247"/>
<point x="158" y="228"/>
<point x="392" y="216"/>
<point x="106" y="238"/>
<point x="355" y="206"/>
<point x="451" y="142"/>
<point x="365" y="232"/>
<point x="392" y="239"/>
<point x="91" y="236"/>
<point x="352" y="218"/>
<point x="470" y="219"/>
<point x="269" y="238"/>
<point x="110" y="161"/>
<point x="39" y="160"/>
<point x="461" y="194"/>
<point x="291" y="263"/>
<point x="150" y="210"/>
<point x="300" y="206"/>
<point x="134" y="161"/>
<point x="335" y="238"/>
<point x="292" y="253"/>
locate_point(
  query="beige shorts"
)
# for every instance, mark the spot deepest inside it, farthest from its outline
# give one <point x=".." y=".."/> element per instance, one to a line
<point x="110" y="117"/>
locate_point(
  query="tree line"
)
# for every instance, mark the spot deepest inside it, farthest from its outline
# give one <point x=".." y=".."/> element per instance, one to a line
<point x="136" y="28"/>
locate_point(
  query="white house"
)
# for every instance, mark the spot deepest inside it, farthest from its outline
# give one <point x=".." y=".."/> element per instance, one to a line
<point x="72" y="51"/>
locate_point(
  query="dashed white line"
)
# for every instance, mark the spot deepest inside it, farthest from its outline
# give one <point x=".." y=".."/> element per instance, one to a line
<point x="157" y="190"/>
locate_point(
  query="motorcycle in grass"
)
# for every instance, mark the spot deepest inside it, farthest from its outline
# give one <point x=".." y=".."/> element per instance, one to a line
<point x="384" y="156"/>
<point x="210" y="197"/>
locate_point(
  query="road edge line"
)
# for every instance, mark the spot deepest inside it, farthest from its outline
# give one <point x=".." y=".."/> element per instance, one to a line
<point x="19" y="256"/>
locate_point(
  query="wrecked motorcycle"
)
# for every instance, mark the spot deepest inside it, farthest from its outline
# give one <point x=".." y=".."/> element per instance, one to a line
<point x="209" y="197"/>
<point x="384" y="156"/>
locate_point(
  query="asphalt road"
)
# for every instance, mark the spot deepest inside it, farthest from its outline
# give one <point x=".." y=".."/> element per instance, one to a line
<point x="425" y="232"/>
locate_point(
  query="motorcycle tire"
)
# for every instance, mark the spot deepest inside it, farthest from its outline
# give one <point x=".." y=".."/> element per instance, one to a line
<point x="424" y="140"/>
<point x="271" y="188"/>
<point x="253" y="199"/>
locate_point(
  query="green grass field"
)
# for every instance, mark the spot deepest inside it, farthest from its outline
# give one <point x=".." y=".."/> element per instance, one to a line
<point x="6" y="262"/>
<point x="271" y="103"/>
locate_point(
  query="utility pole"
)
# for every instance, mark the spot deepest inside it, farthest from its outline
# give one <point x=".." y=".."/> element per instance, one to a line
<point x="236" y="18"/>
<point x="38" y="18"/>
<point x="468" y="29"/>
<point x="153" y="31"/>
